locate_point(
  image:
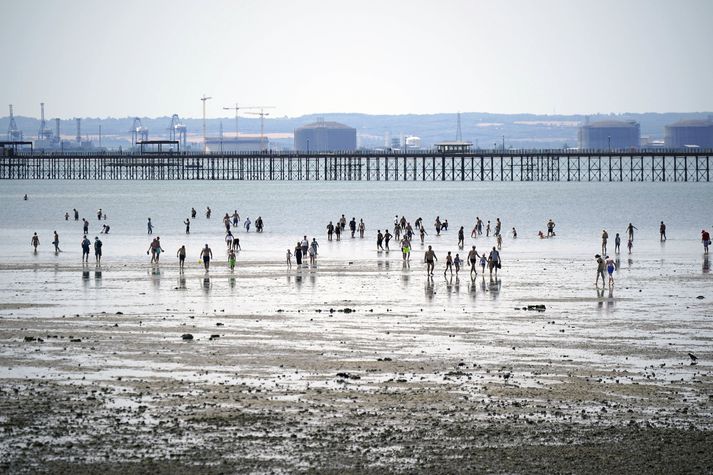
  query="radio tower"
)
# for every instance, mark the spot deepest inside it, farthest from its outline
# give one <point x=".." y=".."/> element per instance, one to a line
<point x="459" y="134"/>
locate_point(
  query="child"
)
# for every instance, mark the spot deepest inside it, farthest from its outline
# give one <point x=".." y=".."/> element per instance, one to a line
<point x="629" y="245"/>
<point x="289" y="258"/>
<point x="449" y="263"/>
<point x="483" y="262"/>
<point x="231" y="259"/>
<point x="457" y="262"/>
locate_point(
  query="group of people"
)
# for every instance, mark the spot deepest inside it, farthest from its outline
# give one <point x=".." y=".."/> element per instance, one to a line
<point x="303" y="249"/>
<point x="492" y="260"/>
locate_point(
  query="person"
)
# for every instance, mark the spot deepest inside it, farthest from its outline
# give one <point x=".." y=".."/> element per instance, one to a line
<point x="56" y="243"/>
<point x="379" y="240"/>
<point x="473" y="258"/>
<point x="498" y="225"/>
<point x="187" y="222"/>
<point x="362" y="227"/>
<point x="298" y="254"/>
<point x="438" y="226"/>
<point x="601" y="266"/>
<point x="343" y="222"/>
<point x="550" y="228"/>
<point x="444" y="225"/>
<point x="85" y="226"/>
<point x="181" y="254"/>
<point x="99" y="214"/>
<point x="226" y="222"/>
<point x="422" y="233"/>
<point x="304" y="245"/>
<point x="208" y="212"/>
<point x="461" y="238"/>
<point x="449" y="263"/>
<point x="397" y="231"/>
<point x="611" y="265"/>
<point x="387" y="238"/>
<point x="247" y="224"/>
<point x="155" y="249"/>
<point x="406" y="248"/>
<point x="541" y="234"/>
<point x="483" y="263"/>
<point x="338" y="231"/>
<point x="229" y="240"/>
<point x="499" y="240"/>
<point x="605" y="237"/>
<point x="236" y="218"/>
<point x="206" y="255"/>
<point x="630" y="245"/>
<point x="149" y="226"/>
<point x="402" y="222"/>
<point x="85" y="249"/>
<point x="617" y="243"/>
<point x="312" y="252"/>
<point x="314" y="246"/>
<point x="494" y="261"/>
<point x="76" y="214"/>
<point x="514" y="233"/>
<point x="289" y="258"/>
<point x="193" y="213"/>
<point x="430" y="257"/>
<point x="98" y="249"/>
<point x="35" y="241"/>
<point x="457" y="262"/>
<point x="479" y="225"/>
<point x="236" y="244"/>
<point x="66" y="216"/>
<point x="487" y="229"/>
<point x="330" y="231"/>
<point x="352" y="226"/>
<point x="231" y="260"/>
<point x="418" y="222"/>
<point x="662" y="231"/>
<point x="706" y="238"/>
<point x="259" y="225"/>
<point x="25" y="197"/>
<point x="630" y="231"/>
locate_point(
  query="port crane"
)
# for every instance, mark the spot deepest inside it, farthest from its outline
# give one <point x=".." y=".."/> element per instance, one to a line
<point x="262" y="115"/>
<point x="138" y="131"/>
<point x="236" y="108"/>
<point x="177" y="130"/>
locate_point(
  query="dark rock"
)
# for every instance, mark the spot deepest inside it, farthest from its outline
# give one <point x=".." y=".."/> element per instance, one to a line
<point x="187" y="336"/>
<point x="348" y="376"/>
<point x="76" y="340"/>
<point x="30" y="338"/>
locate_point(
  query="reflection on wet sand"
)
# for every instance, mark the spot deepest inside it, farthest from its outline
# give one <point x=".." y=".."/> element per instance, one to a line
<point x="430" y="288"/>
<point x="706" y="264"/>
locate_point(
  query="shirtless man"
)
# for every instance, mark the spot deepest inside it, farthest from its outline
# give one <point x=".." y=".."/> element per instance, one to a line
<point x="630" y="231"/>
<point x="206" y="255"/>
<point x="605" y="237"/>
<point x="430" y="257"/>
<point x="35" y="241"/>
<point x="473" y="260"/>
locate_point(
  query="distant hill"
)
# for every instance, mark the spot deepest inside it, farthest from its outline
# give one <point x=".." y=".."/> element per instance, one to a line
<point x="483" y="129"/>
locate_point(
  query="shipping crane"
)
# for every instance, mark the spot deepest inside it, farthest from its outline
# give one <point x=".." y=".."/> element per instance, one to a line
<point x="204" y="99"/>
<point x="236" y="108"/>
<point x="262" y="115"/>
<point x="13" y="133"/>
<point x="177" y="131"/>
<point x="44" y="133"/>
<point x="138" y="132"/>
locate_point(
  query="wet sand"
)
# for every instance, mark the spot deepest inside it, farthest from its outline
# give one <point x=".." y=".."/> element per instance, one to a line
<point x="355" y="366"/>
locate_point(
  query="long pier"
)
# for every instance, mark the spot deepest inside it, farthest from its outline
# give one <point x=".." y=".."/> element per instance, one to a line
<point x="480" y="165"/>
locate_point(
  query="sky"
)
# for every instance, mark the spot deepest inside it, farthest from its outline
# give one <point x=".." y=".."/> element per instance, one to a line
<point x="150" y="58"/>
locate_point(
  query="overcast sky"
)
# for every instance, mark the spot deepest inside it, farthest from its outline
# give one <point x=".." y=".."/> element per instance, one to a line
<point x="102" y="58"/>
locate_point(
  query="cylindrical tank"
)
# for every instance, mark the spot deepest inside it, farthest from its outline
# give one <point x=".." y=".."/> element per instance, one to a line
<point x="325" y="137"/>
<point x="689" y="133"/>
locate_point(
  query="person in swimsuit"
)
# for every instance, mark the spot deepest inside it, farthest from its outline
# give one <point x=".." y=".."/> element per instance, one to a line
<point x="187" y="222"/>
<point x="206" y="255"/>
<point x="514" y="233"/>
<point x="98" y="249"/>
<point x="494" y="262"/>
<point x="473" y="258"/>
<point x="352" y="226"/>
<point x="35" y="241"/>
<point x="149" y="226"/>
<point x="338" y="232"/>
<point x="550" y="228"/>
<point x="422" y="233"/>
<point x="483" y="263"/>
<point x="304" y="245"/>
<point x="601" y="266"/>
<point x="289" y="259"/>
<point x="56" y="243"/>
<point x="457" y="262"/>
<point x="617" y="243"/>
<point x="229" y="240"/>
<point x="298" y="254"/>
<point x="76" y="214"/>
<point x="208" y="212"/>
<point x="231" y="260"/>
<point x="499" y="240"/>
<point x="387" y="238"/>
<point x="236" y="218"/>
<point x="181" y="254"/>
<point x="630" y="231"/>
<point x="611" y="266"/>
<point x="330" y="231"/>
<point x="314" y="245"/>
<point x="605" y="237"/>
<point x="379" y="240"/>
<point x="85" y="249"/>
<point x="662" y="232"/>
<point x="461" y="238"/>
<point x="247" y="224"/>
<point x="449" y="263"/>
<point x="193" y="213"/>
<point x="430" y="257"/>
<point x="406" y="248"/>
<point x="85" y="226"/>
<point x="706" y="239"/>
<point x="312" y="252"/>
<point x="362" y="228"/>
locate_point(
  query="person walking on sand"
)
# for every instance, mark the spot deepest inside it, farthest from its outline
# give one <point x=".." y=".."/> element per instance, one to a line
<point x="231" y="260"/>
<point x="206" y="255"/>
<point x="193" y="213"/>
<point x="330" y="231"/>
<point x="473" y="259"/>
<point x="706" y="238"/>
<point x="181" y="254"/>
<point x="56" y="243"/>
<point x="208" y="212"/>
<point x="187" y="222"/>
<point x="429" y="258"/>
<point x="494" y="262"/>
<point x="98" y="250"/>
<point x="617" y="243"/>
<point x="298" y="254"/>
<point x="314" y="245"/>
<point x="601" y="266"/>
<point x="550" y="228"/>
<point x="76" y="214"/>
<point x="149" y="226"/>
<point x="35" y="241"/>
<point x="605" y="237"/>
<point x="352" y="226"/>
<point x="449" y="263"/>
<point x="379" y="240"/>
<point x="662" y="232"/>
<point x="247" y="224"/>
<point x="406" y="248"/>
<point x="457" y="262"/>
<point x="461" y="238"/>
<point x="499" y="240"/>
<point x="86" y="244"/>
<point x="611" y="266"/>
<point x="304" y="245"/>
<point x="362" y="228"/>
<point x="288" y="256"/>
<point x="422" y="233"/>
<point x="387" y="238"/>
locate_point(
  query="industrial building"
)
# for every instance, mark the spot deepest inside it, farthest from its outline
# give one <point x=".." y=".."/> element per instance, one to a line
<point x="325" y="137"/>
<point x="689" y="134"/>
<point x="610" y="134"/>
<point x="242" y="144"/>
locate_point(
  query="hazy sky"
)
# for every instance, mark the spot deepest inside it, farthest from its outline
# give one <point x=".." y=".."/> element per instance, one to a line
<point x="103" y="58"/>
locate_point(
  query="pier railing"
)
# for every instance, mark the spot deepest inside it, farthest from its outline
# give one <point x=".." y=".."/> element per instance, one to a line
<point x="481" y="165"/>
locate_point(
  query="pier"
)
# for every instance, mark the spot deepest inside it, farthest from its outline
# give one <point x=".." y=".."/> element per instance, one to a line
<point x="477" y="165"/>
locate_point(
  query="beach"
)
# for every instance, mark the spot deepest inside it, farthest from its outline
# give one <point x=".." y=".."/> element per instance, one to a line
<point x="360" y="363"/>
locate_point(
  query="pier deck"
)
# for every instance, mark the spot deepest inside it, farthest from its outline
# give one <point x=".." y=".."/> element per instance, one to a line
<point x="481" y="165"/>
